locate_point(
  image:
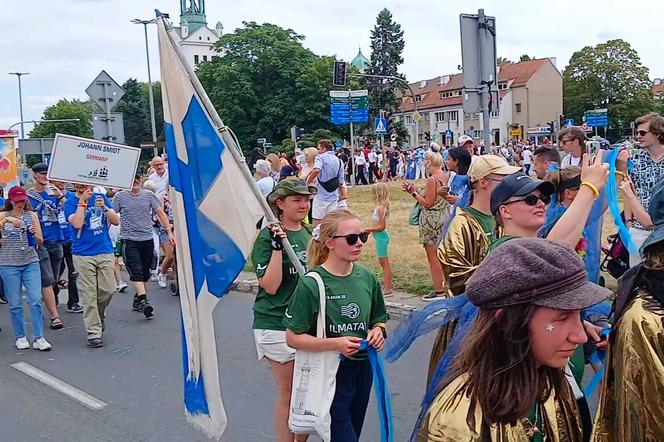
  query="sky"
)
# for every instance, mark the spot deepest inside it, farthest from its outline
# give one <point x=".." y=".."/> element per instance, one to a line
<point x="64" y="44"/>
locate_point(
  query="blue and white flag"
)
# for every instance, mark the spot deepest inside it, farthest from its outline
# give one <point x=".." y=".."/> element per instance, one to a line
<point x="215" y="211"/>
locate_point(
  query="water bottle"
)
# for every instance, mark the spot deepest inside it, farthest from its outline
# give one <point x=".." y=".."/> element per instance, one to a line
<point x="27" y="221"/>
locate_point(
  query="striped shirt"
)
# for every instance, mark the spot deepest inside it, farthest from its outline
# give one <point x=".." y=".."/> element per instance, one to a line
<point x="136" y="214"/>
<point x="15" y="250"/>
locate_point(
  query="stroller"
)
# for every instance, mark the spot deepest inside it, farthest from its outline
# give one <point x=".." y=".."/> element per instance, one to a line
<point x="616" y="259"/>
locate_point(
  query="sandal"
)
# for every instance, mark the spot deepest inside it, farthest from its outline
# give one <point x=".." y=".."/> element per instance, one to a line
<point x="56" y="324"/>
<point x="63" y="284"/>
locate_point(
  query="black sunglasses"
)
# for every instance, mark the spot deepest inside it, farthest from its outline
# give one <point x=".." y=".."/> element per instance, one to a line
<point x="532" y="199"/>
<point x="352" y="238"/>
<point x="642" y="133"/>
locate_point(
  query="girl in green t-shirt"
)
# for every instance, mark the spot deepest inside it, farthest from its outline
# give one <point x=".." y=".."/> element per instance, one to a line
<point x="277" y="278"/>
<point x="354" y="311"/>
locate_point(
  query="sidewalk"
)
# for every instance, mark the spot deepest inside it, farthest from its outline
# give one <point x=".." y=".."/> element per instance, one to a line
<point x="399" y="304"/>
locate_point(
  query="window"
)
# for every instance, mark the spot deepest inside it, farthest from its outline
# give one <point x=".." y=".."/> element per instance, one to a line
<point x="409" y="119"/>
<point x="204" y="57"/>
<point x="200" y="38"/>
<point x="208" y="38"/>
<point x="517" y="107"/>
<point x="502" y="86"/>
<point x="453" y="115"/>
<point x="440" y="117"/>
<point x="477" y="134"/>
<point x="195" y="59"/>
<point x="446" y="94"/>
<point x="494" y="113"/>
<point x="459" y="93"/>
<point x="418" y="98"/>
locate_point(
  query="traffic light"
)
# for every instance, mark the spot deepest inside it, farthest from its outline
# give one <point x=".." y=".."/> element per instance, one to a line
<point x="427" y="136"/>
<point x="552" y="128"/>
<point x="339" y="77"/>
<point x="563" y="119"/>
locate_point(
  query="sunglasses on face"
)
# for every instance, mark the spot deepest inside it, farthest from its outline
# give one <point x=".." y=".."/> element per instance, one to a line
<point x="532" y="199"/>
<point x="352" y="238"/>
<point x="642" y="133"/>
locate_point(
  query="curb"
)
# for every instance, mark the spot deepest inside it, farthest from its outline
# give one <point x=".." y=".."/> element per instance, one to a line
<point x="395" y="309"/>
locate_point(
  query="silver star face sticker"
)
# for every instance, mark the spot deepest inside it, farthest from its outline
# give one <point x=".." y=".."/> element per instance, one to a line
<point x="549" y="327"/>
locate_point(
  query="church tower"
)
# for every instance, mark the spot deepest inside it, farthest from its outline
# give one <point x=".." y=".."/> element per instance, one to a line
<point x="196" y="40"/>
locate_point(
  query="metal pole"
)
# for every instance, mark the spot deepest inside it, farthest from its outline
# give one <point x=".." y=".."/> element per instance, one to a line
<point x="107" y="105"/>
<point x="234" y="149"/>
<point x="484" y="91"/>
<point x="352" y="146"/>
<point x="20" y="98"/>
<point x="150" y="93"/>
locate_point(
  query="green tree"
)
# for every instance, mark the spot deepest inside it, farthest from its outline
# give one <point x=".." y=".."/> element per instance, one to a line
<point x="503" y="60"/>
<point x="526" y="57"/>
<point x="387" y="46"/>
<point x="264" y="81"/>
<point x="64" y="109"/>
<point x="135" y="107"/>
<point x="609" y="75"/>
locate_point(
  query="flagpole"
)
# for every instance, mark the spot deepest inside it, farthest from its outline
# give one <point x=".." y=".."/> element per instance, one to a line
<point x="233" y="147"/>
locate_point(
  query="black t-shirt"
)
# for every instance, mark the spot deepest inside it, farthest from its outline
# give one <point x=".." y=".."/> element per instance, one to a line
<point x="394" y="157"/>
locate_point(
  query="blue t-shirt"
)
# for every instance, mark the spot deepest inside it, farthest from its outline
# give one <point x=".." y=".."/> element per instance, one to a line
<point x="93" y="239"/>
<point x="68" y="232"/>
<point x="50" y="214"/>
<point x="419" y="155"/>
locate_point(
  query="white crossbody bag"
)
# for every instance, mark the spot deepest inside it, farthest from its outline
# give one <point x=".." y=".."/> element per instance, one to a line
<point x="314" y="381"/>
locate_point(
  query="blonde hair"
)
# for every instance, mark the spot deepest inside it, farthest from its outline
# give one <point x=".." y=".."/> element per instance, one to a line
<point x="310" y="154"/>
<point x="562" y="176"/>
<point x="150" y="185"/>
<point x="434" y="158"/>
<point x="274" y="161"/>
<point x="381" y="194"/>
<point x="318" y="252"/>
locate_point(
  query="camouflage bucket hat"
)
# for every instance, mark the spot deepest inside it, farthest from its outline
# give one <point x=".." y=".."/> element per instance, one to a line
<point x="288" y="187"/>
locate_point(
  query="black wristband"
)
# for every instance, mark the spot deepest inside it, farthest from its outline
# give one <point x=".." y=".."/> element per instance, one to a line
<point x="275" y="242"/>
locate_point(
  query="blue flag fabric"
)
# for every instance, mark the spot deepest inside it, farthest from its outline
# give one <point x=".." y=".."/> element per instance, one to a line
<point x="382" y="393"/>
<point x="215" y="212"/>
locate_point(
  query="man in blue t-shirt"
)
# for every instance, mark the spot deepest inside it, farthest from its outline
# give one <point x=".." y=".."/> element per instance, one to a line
<point x="90" y="215"/>
<point x="47" y="202"/>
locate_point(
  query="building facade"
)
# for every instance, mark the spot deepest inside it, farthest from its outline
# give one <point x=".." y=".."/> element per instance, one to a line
<point x="194" y="38"/>
<point x="530" y="95"/>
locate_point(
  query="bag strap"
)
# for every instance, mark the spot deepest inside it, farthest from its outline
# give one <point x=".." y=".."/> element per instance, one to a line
<point x="35" y="195"/>
<point x="320" y="322"/>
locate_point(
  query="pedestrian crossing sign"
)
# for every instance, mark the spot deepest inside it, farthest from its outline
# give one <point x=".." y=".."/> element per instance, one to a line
<point x="380" y="126"/>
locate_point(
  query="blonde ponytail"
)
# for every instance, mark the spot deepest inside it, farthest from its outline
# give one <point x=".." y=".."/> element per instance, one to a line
<point x="318" y="252"/>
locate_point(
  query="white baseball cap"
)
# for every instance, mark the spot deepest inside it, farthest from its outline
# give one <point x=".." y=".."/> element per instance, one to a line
<point x="463" y="139"/>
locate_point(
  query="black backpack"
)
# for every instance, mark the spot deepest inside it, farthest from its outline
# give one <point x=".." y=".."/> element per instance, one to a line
<point x="333" y="183"/>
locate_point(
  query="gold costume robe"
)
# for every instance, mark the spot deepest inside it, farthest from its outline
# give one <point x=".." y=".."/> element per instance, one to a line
<point x="452" y="418"/>
<point x="464" y="247"/>
<point x="631" y="408"/>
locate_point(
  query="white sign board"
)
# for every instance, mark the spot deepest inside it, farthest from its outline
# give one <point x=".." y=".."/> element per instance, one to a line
<point x="97" y="163"/>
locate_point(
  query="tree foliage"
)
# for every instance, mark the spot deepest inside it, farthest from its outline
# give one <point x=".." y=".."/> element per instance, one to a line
<point x="609" y="75"/>
<point x="64" y="109"/>
<point x="387" y="46"/>
<point x="135" y="106"/>
<point x="264" y="81"/>
<point x="503" y="60"/>
<point x="526" y="57"/>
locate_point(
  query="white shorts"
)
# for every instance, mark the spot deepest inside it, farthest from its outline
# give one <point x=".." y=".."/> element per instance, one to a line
<point x="322" y="208"/>
<point x="271" y="344"/>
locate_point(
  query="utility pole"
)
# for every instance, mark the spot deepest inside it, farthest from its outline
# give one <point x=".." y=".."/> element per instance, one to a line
<point x="352" y="143"/>
<point x="150" y="93"/>
<point x="20" y="98"/>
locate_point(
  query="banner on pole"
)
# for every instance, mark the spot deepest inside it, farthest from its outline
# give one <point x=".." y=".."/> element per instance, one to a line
<point x="8" y="171"/>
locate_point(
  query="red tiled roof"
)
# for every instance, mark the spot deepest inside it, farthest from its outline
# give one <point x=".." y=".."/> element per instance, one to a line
<point x="658" y="88"/>
<point x="518" y="73"/>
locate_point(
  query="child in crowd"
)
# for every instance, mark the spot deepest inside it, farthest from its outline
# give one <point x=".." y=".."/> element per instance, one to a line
<point x="381" y="196"/>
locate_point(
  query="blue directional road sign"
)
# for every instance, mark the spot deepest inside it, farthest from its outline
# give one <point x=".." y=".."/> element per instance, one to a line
<point x="448" y="134"/>
<point x="380" y="126"/>
<point x="349" y="106"/>
<point x="569" y="122"/>
<point x="597" y="118"/>
<point x="338" y="144"/>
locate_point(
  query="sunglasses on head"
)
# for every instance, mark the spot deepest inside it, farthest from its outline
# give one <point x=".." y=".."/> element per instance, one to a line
<point x="532" y="199"/>
<point x="352" y="238"/>
<point x="642" y="133"/>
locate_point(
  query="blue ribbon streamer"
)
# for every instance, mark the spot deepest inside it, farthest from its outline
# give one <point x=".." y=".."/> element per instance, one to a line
<point x="598" y="357"/>
<point x="381" y="391"/>
<point x="612" y="200"/>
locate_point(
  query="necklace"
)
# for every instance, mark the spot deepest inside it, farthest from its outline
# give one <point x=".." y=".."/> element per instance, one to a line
<point x="533" y="427"/>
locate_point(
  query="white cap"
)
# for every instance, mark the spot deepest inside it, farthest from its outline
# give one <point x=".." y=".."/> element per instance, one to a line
<point x="463" y="139"/>
<point x="100" y="189"/>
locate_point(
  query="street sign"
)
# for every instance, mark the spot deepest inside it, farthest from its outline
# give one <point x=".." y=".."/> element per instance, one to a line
<point x="338" y="144"/>
<point x="102" y="87"/>
<point x="597" y="118"/>
<point x="569" y="122"/>
<point x="380" y="126"/>
<point x="417" y="117"/>
<point x="393" y="137"/>
<point x="515" y="132"/>
<point x="478" y="59"/>
<point x="100" y="127"/>
<point x="261" y="140"/>
<point x="448" y="134"/>
<point x="584" y="127"/>
<point x="349" y="106"/>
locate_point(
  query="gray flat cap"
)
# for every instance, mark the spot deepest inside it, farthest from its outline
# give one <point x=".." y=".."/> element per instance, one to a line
<point x="533" y="271"/>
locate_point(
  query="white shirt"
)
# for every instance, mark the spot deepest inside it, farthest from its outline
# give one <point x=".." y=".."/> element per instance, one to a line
<point x="359" y="160"/>
<point x="266" y="185"/>
<point x="527" y="156"/>
<point x="569" y="160"/>
<point x="373" y="157"/>
<point x="160" y="183"/>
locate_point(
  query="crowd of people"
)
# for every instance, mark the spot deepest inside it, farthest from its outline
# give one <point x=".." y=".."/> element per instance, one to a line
<point x="54" y="227"/>
<point x="521" y="324"/>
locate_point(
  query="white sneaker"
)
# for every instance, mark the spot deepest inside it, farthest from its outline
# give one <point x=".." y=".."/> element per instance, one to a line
<point x="161" y="279"/>
<point x="122" y="286"/>
<point x="22" y="343"/>
<point x="41" y="344"/>
<point x="154" y="277"/>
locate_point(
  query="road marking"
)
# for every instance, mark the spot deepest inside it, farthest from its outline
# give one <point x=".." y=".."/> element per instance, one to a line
<point x="80" y="396"/>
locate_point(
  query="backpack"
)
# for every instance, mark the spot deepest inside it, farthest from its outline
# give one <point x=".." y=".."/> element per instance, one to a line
<point x="333" y="183"/>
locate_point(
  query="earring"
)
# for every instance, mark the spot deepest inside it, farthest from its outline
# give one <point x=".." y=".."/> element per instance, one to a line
<point x="549" y="327"/>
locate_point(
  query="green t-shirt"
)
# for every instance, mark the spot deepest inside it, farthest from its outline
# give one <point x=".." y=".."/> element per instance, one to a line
<point x="269" y="309"/>
<point x="354" y="304"/>
<point x="487" y="222"/>
<point x="503" y="239"/>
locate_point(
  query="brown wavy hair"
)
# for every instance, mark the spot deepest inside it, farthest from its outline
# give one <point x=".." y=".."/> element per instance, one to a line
<point x="506" y="382"/>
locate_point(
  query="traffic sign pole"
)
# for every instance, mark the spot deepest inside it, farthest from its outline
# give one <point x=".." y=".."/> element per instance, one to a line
<point x="107" y="105"/>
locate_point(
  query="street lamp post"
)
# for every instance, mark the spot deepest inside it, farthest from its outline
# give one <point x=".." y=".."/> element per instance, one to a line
<point x="59" y="120"/>
<point x="20" y="97"/>
<point x="145" y="24"/>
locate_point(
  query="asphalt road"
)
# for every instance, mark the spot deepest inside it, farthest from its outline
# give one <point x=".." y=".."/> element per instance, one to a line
<point x="138" y="375"/>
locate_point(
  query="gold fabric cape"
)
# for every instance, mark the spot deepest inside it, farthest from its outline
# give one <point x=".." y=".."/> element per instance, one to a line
<point x="452" y="418"/>
<point x="631" y="408"/>
<point x="464" y="247"/>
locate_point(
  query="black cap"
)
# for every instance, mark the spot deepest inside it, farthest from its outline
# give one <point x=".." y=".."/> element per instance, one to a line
<point x="40" y="168"/>
<point x="518" y="184"/>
